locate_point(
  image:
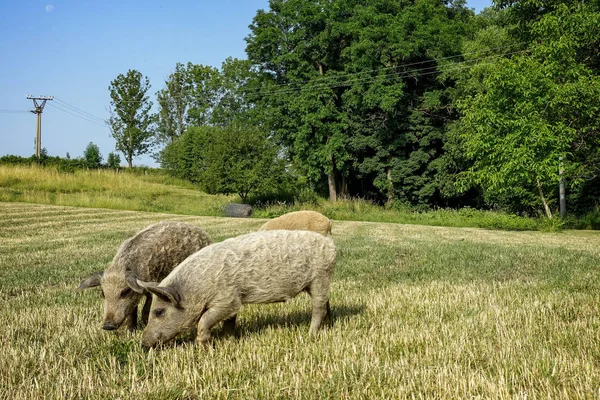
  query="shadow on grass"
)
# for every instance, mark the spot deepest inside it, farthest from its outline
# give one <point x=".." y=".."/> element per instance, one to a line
<point x="123" y="342"/>
<point x="275" y="320"/>
<point x="295" y="318"/>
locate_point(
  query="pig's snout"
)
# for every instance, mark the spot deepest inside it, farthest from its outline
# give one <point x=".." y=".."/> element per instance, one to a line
<point x="109" y="326"/>
<point x="148" y="343"/>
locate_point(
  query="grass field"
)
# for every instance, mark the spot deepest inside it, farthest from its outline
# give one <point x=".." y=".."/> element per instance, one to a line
<point x="419" y="312"/>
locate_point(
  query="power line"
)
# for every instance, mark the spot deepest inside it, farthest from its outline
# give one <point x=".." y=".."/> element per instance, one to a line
<point x="135" y="101"/>
<point x="78" y="110"/>
<point x="78" y="116"/>
<point x="400" y="74"/>
<point x="322" y="81"/>
<point x="13" y="111"/>
<point x="326" y="78"/>
<point x="412" y="73"/>
<point x="422" y="74"/>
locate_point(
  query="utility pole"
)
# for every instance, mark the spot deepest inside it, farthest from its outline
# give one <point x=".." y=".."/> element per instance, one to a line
<point x="561" y="189"/>
<point x="39" y="109"/>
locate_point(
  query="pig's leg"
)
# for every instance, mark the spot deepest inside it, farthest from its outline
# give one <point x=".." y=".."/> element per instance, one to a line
<point x="146" y="309"/>
<point x="132" y="320"/>
<point x="319" y="313"/>
<point x="209" y="319"/>
<point x="319" y="292"/>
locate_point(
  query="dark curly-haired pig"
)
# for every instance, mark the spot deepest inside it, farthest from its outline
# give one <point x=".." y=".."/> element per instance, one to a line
<point x="149" y="255"/>
<point x="261" y="267"/>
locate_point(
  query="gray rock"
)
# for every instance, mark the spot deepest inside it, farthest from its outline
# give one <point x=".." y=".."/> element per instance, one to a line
<point x="237" y="210"/>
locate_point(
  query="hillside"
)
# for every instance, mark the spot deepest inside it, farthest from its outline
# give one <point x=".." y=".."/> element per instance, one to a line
<point x="107" y="189"/>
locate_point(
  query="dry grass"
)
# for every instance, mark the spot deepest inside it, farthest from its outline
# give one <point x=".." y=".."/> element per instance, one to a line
<point x="420" y="312"/>
<point x="106" y="189"/>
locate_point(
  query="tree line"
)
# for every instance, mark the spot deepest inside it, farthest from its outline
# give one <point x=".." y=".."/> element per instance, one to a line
<point x="91" y="159"/>
<point x="418" y="103"/>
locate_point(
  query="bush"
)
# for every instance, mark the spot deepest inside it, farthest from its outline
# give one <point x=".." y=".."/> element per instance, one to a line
<point x="307" y="196"/>
<point x="66" y="167"/>
<point x="61" y="164"/>
<point x="113" y="161"/>
<point x="591" y="220"/>
<point x="9" y="159"/>
<point x="364" y="210"/>
<point x="92" y="156"/>
<point x="240" y="160"/>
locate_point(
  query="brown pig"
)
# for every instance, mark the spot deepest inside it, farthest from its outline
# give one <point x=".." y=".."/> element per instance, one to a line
<point x="149" y="255"/>
<point x="300" y="220"/>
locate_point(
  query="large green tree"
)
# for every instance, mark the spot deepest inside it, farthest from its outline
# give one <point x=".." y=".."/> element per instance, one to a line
<point x="187" y="99"/>
<point x="131" y="123"/>
<point x="296" y="44"/>
<point x="398" y="104"/>
<point x="491" y="42"/>
<point x="237" y="79"/>
<point x="173" y="101"/>
<point x="351" y="88"/>
<point x="534" y="109"/>
<point x="199" y="95"/>
<point x="203" y="93"/>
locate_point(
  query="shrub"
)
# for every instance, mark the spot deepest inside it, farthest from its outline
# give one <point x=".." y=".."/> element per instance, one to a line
<point x="240" y="160"/>
<point x="113" y="161"/>
<point x="92" y="156"/>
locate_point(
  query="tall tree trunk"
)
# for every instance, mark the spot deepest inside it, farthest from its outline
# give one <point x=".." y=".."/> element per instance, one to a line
<point x="331" y="175"/>
<point x="331" y="181"/>
<point x="390" y="194"/>
<point x="180" y="122"/>
<point x="129" y="158"/>
<point x="344" y="188"/>
<point x="544" y="202"/>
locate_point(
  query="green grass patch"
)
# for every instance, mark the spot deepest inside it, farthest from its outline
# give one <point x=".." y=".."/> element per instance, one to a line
<point x="363" y="210"/>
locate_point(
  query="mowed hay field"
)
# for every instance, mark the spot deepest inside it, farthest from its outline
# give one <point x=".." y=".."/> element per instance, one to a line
<point x="419" y="312"/>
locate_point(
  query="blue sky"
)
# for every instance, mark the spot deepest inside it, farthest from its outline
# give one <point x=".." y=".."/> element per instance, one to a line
<point x="72" y="49"/>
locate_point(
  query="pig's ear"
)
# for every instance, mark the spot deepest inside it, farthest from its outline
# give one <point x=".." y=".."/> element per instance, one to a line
<point x="145" y="285"/>
<point x="92" y="281"/>
<point x="166" y="293"/>
<point x="132" y="282"/>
